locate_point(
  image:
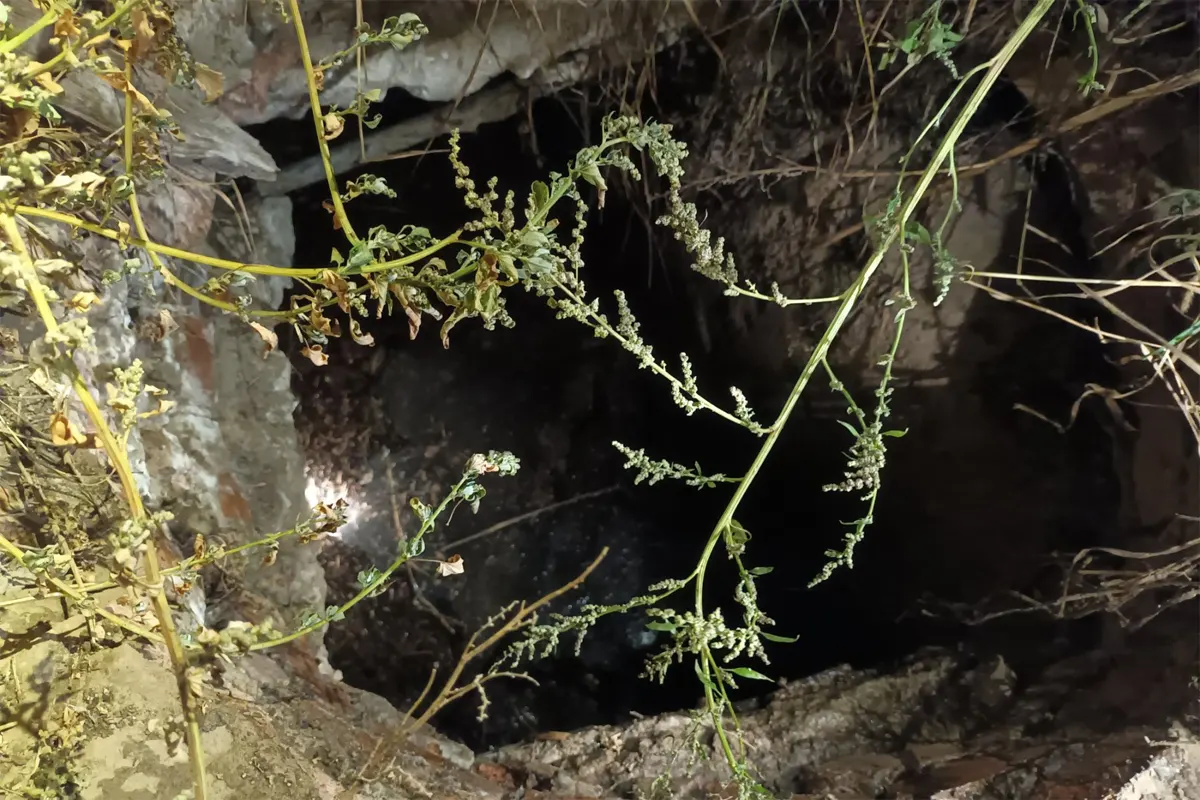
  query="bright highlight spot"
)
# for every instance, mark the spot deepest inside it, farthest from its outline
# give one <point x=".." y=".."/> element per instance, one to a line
<point x="328" y="492"/>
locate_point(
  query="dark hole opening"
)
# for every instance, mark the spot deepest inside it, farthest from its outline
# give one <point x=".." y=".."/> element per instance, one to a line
<point x="399" y="419"/>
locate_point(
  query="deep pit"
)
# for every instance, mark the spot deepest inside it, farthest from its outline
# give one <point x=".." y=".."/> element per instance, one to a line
<point x="396" y="421"/>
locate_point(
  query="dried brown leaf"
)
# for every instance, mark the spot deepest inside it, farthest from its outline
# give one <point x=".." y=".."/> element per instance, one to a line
<point x="315" y="354"/>
<point x="356" y="333"/>
<point x="143" y="34"/>
<point x="322" y="323"/>
<point x="333" y="125"/>
<point x="67" y="25"/>
<point x="339" y="286"/>
<point x="63" y="433"/>
<point x="453" y="565"/>
<point x="157" y="327"/>
<point x="269" y="337"/>
<point x="211" y="81"/>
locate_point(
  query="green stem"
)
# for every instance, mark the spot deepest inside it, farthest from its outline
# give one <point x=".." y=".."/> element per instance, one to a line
<point x="994" y="67"/>
<point x="1089" y="80"/>
<point x="45" y="21"/>
<point x="380" y="579"/>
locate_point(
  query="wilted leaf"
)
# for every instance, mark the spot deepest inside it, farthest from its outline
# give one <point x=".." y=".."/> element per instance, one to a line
<point x="338" y="285"/>
<point x="164" y="405"/>
<point x="63" y="433"/>
<point x="322" y="323"/>
<point x="157" y="327"/>
<point x="333" y="125"/>
<point x="53" y="266"/>
<point x="211" y="81"/>
<point x="451" y="566"/>
<point x="114" y="79"/>
<point x="315" y="354"/>
<point x="26" y="120"/>
<point x="67" y="25"/>
<point x="82" y="301"/>
<point x="269" y="337"/>
<point x="414" y="321"/>
<point x="337" y="221"/>
<point x="117" y="400"/>
<point x="356" y="333"/>
<point x="143" y="34"/>
<point x="49" y="84"/>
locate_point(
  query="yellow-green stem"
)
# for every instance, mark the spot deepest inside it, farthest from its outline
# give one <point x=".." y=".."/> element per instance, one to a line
<point x="117" y="454"/>
<point x="45" y="21"/>
<point x="314" y="100"/>
<point x="234" y="266"/>
<point x="77" y="596"/>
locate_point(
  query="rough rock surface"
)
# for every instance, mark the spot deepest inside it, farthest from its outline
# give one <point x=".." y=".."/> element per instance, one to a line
<point x="933" y="728"/>
<point x="464" y="51"/>
<point x="90" y="721"/>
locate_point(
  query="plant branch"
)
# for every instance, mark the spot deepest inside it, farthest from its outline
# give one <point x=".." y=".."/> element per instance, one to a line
<point x="314" y="101"/>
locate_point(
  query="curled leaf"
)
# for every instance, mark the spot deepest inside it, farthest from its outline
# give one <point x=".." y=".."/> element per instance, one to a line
<point x="63" y="433"/>
<point x="269" y="337"/>
<point x="322" y="323"/>
<point x="67" y="25"/>
<point x="158" y="327"/>
<point x="338" y="285"/>
<point x="315" y="354"/>
<point x="356" y="333"/>
<point x="211" y="81"/>
<point x="143" y="31"/>
<point x="453" y="565"/>
<point x="82" y="301"/>
<point x="414" y="321"/>
<point x="333" y="126"/>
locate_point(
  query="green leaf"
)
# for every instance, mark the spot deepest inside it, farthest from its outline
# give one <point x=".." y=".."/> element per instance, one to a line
<point x="666" y="627"/>
<point x="736" y="537"/>
<point x="853" y="430"/>
<point x="700" y="674"/>
<point x="366" y="577"/>
<point x="771" y="637"/>
<point x="920" y="232"/>
<point x="591" y="174"/>
<point x="895" y="434"/>
<point x="746" y="672"/>
<point x="541" y="195"/>
<point x="762" y="570"/>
